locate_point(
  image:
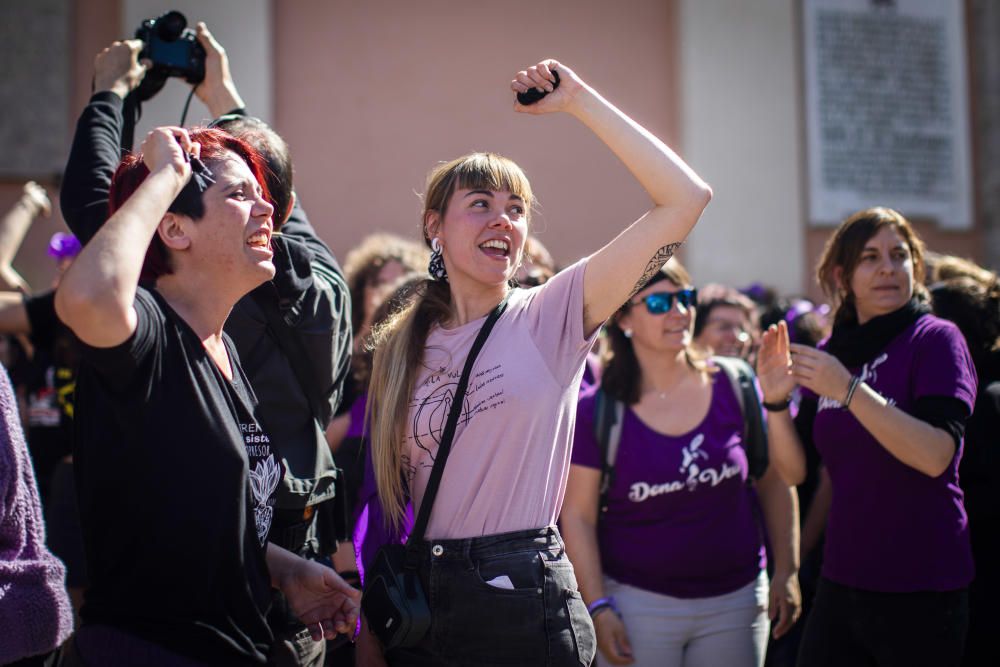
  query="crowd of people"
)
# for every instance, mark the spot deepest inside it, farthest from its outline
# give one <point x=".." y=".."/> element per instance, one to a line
<point x="220" y="447"/>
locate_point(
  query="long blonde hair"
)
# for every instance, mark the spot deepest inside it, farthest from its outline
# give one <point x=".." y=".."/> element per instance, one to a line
<point x="399" y="341"/>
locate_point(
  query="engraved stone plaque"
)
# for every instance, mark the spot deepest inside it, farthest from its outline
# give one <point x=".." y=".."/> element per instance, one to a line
<point x="887" y="109"/>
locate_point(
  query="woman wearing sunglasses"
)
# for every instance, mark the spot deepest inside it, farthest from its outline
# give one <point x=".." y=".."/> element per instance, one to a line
<point x="673" y="573"/>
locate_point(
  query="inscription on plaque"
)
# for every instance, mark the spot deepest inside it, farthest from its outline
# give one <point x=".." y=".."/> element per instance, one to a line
<point x="887" y="110"/>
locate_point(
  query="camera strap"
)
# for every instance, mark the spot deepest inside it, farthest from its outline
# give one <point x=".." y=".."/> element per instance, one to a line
<point x="131" y="113"/>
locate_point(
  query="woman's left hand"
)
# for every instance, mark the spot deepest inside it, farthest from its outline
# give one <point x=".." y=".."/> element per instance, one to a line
<point x="821" y="373"/>
<point x="785" y="602"/>
<point x="774" y="364"/>
<point x="323" y="601"/>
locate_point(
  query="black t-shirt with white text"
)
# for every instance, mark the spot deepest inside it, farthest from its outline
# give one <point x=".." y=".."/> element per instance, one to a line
<point x="176" y="482"/>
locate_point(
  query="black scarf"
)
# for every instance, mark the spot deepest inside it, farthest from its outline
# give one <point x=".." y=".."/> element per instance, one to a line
<point x="854" y="344"/>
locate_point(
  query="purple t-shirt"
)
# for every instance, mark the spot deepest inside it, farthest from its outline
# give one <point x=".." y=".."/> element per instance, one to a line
<point x="680" y="517"/>
<point x="892" y="528"/>
<point x="357" y="413"/>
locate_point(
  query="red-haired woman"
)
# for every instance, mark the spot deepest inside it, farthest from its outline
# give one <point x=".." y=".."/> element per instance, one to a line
<point x="895" y="386"/>
<point x="176" y="477"/>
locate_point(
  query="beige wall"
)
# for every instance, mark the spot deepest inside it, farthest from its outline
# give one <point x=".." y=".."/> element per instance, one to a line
<point x="742" y="131"/>
<point x="370" y="95"/>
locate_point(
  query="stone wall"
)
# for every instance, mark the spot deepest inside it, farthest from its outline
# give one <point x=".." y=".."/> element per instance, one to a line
<point x="984" y="31"/>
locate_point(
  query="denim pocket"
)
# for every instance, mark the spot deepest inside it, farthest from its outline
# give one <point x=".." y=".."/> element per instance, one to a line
<point x="570" y="631"/>
<point x="480" y="624"/>
<point x="520" y="572"/>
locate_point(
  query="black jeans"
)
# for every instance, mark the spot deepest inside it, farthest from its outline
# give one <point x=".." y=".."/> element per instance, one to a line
<point x="848" y="626"/>
<point x="508" y="599"/>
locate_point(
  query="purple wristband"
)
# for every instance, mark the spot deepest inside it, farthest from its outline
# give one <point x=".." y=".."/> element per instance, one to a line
<point x="601" y="603"/>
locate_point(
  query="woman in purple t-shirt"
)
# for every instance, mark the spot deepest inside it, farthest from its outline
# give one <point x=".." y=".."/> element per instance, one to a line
<point x="501" y="590"/>
<point x="673" y="572"/>
<point x="894" y="385"/>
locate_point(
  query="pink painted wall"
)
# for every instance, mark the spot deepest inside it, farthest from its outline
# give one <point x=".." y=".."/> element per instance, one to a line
<point x="370" y="95"/>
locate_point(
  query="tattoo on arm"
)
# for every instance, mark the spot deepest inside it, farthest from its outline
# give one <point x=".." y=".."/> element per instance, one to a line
<point x="661" y="257"/>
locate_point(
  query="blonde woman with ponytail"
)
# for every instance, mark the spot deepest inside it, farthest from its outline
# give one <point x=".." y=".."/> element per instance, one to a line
<point x="493" y="564"/>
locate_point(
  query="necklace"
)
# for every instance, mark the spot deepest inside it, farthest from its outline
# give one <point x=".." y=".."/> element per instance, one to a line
<point x="662" y="395"/>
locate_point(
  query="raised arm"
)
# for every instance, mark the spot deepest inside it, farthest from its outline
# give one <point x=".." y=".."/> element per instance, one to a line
<point x="619" y="269"/>
<point x="218" y="91"/>
<point x="95" y="297"/>
<point x="97" y="142"/>
<point x="14" y="226"/>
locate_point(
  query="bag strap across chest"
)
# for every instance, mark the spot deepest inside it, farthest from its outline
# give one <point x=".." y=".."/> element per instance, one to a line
<point x="458" y="403"/>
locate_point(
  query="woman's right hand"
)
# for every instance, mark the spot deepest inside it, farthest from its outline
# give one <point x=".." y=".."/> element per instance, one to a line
<point x="612" y="638"/>
<point x="170" y="148"/>
<point x="774" y="364"/>
<point x="118" y="69"/>
<point x="540" y="76"/>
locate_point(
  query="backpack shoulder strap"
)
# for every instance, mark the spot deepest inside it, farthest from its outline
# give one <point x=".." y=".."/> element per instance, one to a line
<point x="609" y="414"/>
<point x="741" y="378"/>
<point x="733" y="373"/>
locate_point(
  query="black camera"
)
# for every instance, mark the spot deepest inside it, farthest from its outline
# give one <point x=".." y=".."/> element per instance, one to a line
<point x="173" y="49"/>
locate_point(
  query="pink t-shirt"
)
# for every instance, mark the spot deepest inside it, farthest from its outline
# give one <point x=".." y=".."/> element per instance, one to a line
<point x="510" y="457"/>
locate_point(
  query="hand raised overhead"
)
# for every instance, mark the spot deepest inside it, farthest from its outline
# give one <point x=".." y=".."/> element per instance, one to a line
<point x="170" y="147"/>
<point x="117" y="68"/>
<point x="542" y="78"/>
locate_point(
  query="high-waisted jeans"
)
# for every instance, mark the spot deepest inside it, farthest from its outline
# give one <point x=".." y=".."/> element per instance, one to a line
<point x="507" y="599"/>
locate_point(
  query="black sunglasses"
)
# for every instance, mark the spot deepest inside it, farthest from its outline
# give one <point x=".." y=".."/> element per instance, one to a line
<point x="661" y="302"/>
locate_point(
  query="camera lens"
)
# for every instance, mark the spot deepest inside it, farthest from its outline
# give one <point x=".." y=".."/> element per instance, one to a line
<point x="170" y="26"/>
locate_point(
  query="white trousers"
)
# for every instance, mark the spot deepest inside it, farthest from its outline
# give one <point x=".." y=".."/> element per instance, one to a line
<point x="725" y="631"/>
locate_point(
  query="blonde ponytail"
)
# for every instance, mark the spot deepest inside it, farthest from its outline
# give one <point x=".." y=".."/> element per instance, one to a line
<point x="399" y="347"/>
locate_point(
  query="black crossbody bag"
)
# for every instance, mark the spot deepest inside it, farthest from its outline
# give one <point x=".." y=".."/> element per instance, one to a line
<point x="394" y="602"/>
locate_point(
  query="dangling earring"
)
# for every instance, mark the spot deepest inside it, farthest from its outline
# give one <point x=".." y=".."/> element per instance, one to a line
<point x="627" y="332"/>
<point x="436" y="267"/>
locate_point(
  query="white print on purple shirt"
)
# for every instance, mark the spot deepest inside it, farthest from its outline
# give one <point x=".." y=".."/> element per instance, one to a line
<point x="868" y="375"/>
<point x="640" y="491"/>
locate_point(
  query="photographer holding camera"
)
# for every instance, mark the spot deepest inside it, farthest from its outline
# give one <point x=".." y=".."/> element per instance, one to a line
<point x="293" y="334"/>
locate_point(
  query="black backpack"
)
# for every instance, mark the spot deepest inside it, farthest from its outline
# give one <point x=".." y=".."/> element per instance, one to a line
<point x="609" y="414"/>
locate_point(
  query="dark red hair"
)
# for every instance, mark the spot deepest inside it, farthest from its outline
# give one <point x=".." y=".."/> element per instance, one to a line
<point x="132" y="171"/>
